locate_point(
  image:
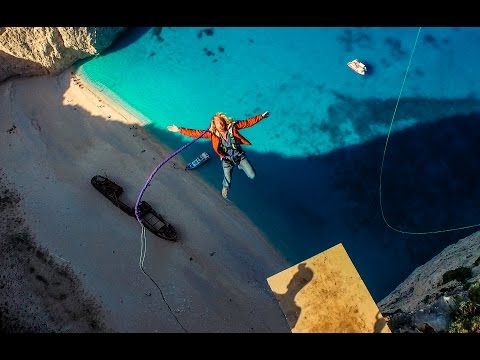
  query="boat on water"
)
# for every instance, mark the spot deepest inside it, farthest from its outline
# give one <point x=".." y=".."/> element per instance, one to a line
<point x="357" y="66"/>
<point x="199" y="160"/>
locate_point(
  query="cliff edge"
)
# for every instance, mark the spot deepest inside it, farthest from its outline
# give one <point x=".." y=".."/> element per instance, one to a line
<point x="443" y="295"/>
<point x="31" y="51"/>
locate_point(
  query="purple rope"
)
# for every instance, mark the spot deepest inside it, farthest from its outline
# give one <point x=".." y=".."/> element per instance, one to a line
<point x="158" y="168"/>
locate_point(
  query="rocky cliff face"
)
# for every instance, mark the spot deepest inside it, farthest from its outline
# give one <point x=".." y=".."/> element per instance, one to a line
<point x="30" y="51"/>
<point x="425" y="300"/>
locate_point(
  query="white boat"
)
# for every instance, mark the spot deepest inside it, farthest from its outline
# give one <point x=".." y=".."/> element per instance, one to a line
<point x="357" y="66"/>
<point x="198" y="161"/>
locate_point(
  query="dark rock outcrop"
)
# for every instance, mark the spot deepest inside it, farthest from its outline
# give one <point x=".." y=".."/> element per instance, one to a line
<point x="425" y="300"/>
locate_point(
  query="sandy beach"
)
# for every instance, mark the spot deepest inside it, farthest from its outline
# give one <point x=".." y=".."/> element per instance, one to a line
<point x="71" y="259"/>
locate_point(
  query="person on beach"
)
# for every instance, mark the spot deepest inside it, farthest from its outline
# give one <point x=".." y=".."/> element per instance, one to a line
<point x="227" y="143"/>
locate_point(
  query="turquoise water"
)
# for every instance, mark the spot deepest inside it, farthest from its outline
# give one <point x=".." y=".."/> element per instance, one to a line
<point x="319" y="154"/>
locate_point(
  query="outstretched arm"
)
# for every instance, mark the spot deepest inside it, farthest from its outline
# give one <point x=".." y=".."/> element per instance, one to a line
<point x="188" y="132"/>
<point x="241" y="124"/>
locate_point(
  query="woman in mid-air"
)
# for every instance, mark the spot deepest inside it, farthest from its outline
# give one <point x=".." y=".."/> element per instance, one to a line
<point x="227" y="143"/>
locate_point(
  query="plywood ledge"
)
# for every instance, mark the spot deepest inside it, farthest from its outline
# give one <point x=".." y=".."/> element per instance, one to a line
<point x="325" y="294"/>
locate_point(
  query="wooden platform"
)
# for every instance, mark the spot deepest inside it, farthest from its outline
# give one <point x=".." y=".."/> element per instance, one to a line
<point x="325" y="294"/>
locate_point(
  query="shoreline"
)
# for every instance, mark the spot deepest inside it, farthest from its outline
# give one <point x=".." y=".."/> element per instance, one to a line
<point x="213" y="279"/>
<point x="108" y="97"/>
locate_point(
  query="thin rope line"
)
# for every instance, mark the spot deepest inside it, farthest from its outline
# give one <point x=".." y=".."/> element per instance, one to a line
<point x="143" y="237"/>
<point x="383" y="160"/>
<point x="147" y="183"/>
<point x="143" y="252"/>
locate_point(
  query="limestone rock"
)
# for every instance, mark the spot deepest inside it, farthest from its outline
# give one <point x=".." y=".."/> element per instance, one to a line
<point x="423" y="301"/>
<point x="30" y="51"/>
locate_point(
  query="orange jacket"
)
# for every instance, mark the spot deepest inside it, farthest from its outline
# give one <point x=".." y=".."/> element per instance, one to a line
<point x="236" y="125"/>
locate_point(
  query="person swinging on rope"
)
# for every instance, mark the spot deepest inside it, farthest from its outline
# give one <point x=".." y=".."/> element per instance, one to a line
<point x="227" y="143"/>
